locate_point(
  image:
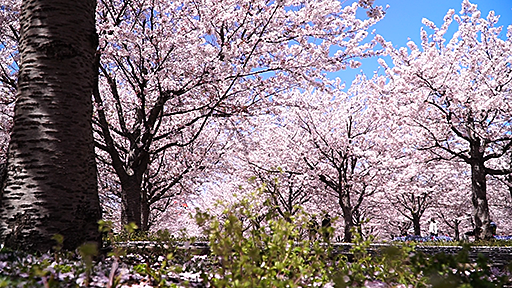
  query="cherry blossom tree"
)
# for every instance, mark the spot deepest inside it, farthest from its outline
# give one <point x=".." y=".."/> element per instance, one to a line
<point x="269" y="154"/>
<point x="453" y="96"/>
<point x="412" y="205"/>
<point x="285" y="189"/>
<point x="9" y="62"/>
<point x="352" y="145"/>
<point x="169" y="69"/>
<point x="500" y="205"/>
<point x="419" y="189"/>
<point x="9" y="56"/>
<point x="453" y="206"/>
<point x="343" y="159"/>
<point x="172" y="174"/>
<point x="328" y="145"/>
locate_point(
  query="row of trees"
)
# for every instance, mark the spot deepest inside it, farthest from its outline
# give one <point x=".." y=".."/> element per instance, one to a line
<point x="429" y="138"/>
<point x="165" y="71"/>
<point x="194" y="98"/>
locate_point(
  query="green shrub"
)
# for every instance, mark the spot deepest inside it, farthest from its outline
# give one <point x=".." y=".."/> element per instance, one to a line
<point x="274" y="255"/>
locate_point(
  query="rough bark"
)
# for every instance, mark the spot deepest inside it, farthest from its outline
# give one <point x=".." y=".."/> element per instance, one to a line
<point x="416" y="224"/>
<point x="480" y="204"/>
<point x="346" y="207"/>
<point x="51" y="185"/>
<point x="146" y="213"/>
<point x="481" y="215"/>
<point x="131" y="201"/>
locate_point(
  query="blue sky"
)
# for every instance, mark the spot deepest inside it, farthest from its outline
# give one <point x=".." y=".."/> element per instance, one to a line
<point x="403" y="22"/>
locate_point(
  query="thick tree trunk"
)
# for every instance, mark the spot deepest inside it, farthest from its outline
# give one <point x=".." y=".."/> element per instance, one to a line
<point x="479" y="198"/>
<point x="131" y="201"/>
<point x="479" y="192"/>
<point x="346" y="207"/>
<point x="347" y="236"/>
<point x="131" y="186"/>
<point x="416" y="224"/>
<point x="51" y="185"/>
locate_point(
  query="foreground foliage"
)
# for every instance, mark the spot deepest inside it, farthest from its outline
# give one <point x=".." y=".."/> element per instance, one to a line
<point x="273" y="254"/>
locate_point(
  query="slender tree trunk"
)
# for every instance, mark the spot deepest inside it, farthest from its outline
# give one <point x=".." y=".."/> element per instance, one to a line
<point x="51" y="185"/>
<point x="145" y="212"/>
<point x="509" y="180"/>
<point x="456" y="229"/>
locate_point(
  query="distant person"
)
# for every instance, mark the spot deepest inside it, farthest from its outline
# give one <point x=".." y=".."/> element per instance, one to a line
<point x="313" y="228"/>
<point x="326" y="225"/>
<point x="432" y="228"/>
<point x="493" y="227"/>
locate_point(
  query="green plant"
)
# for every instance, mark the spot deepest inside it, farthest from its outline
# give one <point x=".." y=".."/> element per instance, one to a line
<point x="274" y="255"/>
<point x="365" y="264"/>
<point x="444" y="270"/>
<point x="88" y="251"/>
